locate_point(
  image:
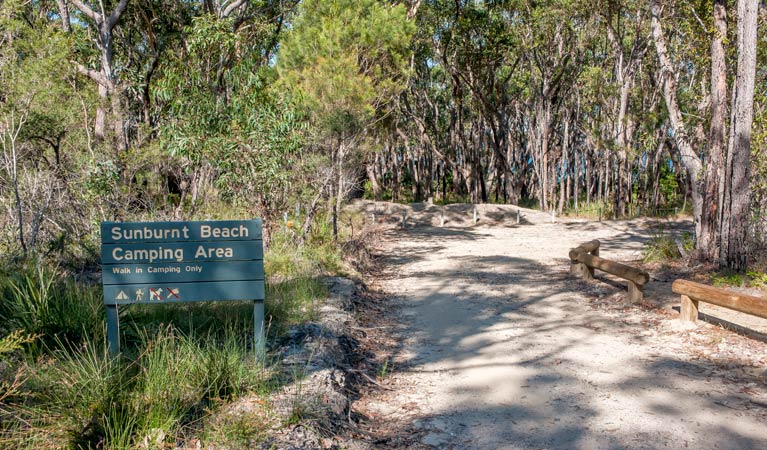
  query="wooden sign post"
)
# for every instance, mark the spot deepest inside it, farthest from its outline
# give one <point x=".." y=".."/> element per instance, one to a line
<point x="178" y="262"/>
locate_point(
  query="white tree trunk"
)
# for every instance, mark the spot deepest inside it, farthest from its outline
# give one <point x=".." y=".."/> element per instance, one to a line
<point x="689" y="158"/>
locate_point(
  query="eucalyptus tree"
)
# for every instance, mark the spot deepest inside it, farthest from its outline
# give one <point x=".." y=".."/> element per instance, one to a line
<point x="736" y="203"/>
<point x="102" y="18"/>
<point x="232" y="134"/>
<point x="39" y="112"/>
<point x="348" y="61"/>
<point x="719" y="180"/>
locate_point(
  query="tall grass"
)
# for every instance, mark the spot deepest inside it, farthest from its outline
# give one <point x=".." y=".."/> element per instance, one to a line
<point x="39" y="302"/>
<point x="82" y="398"/>
<point x="593" y="211"/>
<point x="662" y="247"/>
<point x="294" y="285"/>
<point x="180" y="363"/>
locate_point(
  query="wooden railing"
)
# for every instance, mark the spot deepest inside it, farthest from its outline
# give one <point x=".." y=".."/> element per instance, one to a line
<point x="585" y="258"/>
<point x="692" y="293"/>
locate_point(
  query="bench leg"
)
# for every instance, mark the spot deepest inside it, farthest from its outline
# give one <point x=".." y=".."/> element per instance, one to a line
<point x="635" y="292"/>
<point x="688" y="312"/>
<point x="581" y="270"/>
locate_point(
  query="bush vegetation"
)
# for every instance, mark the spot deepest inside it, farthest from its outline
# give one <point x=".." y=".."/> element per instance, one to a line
<point x="180" y="364"/>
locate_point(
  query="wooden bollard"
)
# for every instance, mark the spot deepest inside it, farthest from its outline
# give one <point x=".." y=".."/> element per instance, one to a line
<point x="517" y="216"/>
<point x="442" y="218"/>
<point x="475" y="214"/>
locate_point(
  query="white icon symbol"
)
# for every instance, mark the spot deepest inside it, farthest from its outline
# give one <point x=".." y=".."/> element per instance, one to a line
<point x="139" y="295"/>
<point x="173" y="292"/>
<point x="155" y="294"/>
<point x="122" y="296"/>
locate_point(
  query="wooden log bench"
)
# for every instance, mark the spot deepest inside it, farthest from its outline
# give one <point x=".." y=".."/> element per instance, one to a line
<point x="693" y="293"/>
<point x="585" y="258"/>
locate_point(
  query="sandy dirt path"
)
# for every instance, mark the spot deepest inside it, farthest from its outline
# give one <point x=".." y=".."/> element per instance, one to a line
<point x="501" y="349"/>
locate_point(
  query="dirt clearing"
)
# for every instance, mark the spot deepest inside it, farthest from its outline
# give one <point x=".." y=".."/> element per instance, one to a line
<point x="495" y="346"/>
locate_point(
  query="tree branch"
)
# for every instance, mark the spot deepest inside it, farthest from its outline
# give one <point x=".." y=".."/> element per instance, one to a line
<point x="690" y="159"/>
<point x="85" y="9"/>
<point x="232" y="6"/>
<point x="64" y="14"/>
<point x="94" y="75"/>
<point x="114" y="17"/>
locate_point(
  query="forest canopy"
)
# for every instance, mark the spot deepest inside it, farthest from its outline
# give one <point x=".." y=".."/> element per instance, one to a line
<point x="136" y="109"/>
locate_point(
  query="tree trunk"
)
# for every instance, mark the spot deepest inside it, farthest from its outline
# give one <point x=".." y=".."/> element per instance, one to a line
<point x="105" y="76"/>
<point x="339" y="187"/>
<point x="708" y="241"/>
<point x="737" y="198"/>
<point x="689" y="157"/>
<point x="100" y="126"/>
<point x="10" y="133"/>
<point x="370" y="169"/>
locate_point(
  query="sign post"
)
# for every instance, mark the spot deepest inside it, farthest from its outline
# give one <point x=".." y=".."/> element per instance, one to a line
<point x="178" y="262"/>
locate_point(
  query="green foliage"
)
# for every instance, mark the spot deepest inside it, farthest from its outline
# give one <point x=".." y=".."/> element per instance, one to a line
<point x="39" y="303"/>
<point x="84" y="397"/>
<point x="752" y="278"/>
<point x="224" y="118"/>
<point x="593" y="210"/>
<point x="384" y="369"/>
<point x="662" y="248"/>
<point x="347" y="59"/>
<point x="669" y="186"/>
<point x="727" y="279"/>
<point x="294" y="287"/>
<point x="13" y="342"/>
<point x="41" y="135"/>
<point x="757" y="279"/>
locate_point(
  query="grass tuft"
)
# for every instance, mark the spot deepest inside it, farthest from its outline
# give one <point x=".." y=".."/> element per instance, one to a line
<point x="663" y="248"/>
<point x="40" y="303"/>
<point x="727" y="279"/>
<point x="180" y="363"/>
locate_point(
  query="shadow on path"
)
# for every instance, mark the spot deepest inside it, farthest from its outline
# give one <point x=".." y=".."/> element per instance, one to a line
<point x="509" y="356"/>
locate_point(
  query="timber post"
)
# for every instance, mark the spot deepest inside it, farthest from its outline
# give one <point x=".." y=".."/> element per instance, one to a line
<point x="636" y="294"/>
<point x="580" y="269"/>
<point x="688" y="310"/>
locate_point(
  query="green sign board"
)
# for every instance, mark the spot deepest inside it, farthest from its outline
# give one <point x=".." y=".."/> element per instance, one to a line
<point x="173" y="262"/>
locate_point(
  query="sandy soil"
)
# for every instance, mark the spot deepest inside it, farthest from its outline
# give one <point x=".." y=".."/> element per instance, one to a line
<point x="495" y="346"/>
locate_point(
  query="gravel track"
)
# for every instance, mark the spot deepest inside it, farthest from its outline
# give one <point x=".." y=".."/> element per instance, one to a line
<point x="498" y="348"/>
